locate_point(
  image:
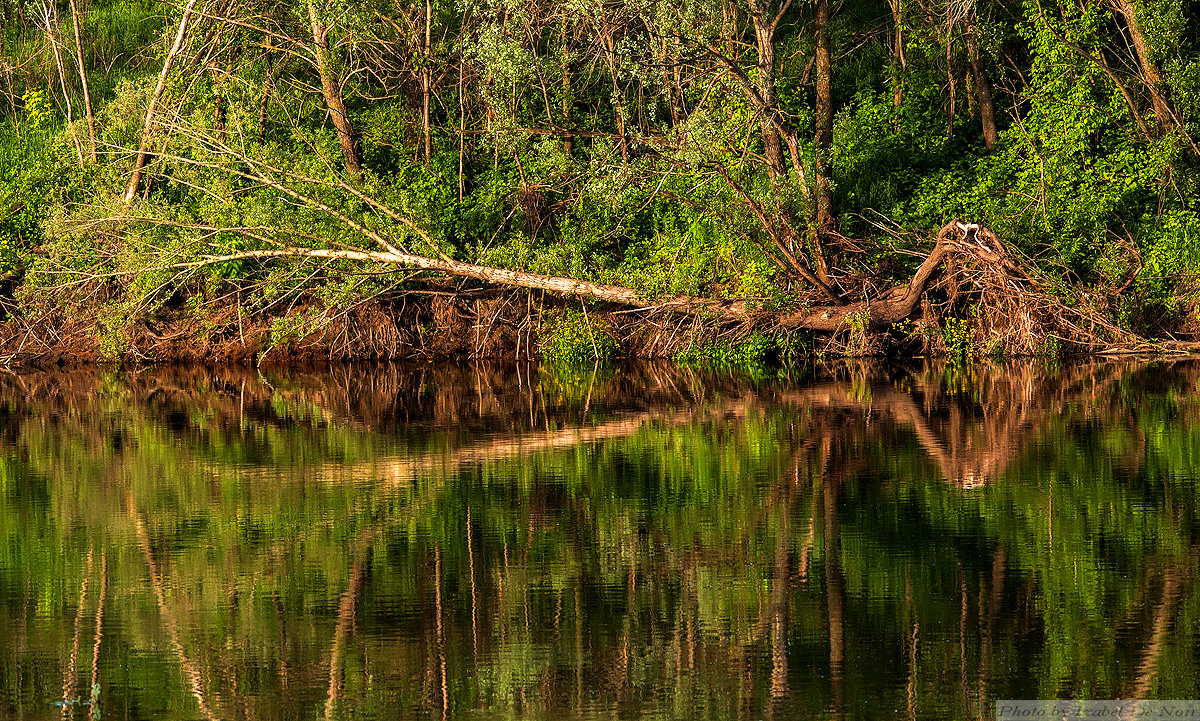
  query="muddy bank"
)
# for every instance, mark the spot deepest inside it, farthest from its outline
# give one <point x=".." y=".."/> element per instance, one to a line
<point x="446" y="320"/>
<point x="438" y="323"/>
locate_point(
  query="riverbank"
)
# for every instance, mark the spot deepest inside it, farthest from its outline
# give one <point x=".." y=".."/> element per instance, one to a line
<point x="444" y="321"/>
<point x="432" y="323"/>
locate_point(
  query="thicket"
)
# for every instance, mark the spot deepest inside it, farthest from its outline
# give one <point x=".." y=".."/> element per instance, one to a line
<point x="724" y="170"/>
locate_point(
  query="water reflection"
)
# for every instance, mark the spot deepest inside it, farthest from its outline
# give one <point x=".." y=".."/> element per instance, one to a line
<point x="850" y="541"/>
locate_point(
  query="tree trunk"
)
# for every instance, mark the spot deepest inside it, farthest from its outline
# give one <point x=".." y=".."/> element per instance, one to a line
<point x="676" y="76"/>
<point x="462" y="126"/>
<point x="835" y="597"/>
<point x="764" y="33"/>
<point x="898" y="59"/>
<point x="669" y="84"/>
<point x="427" y="80"/>
<point x="826" y="220"/>
<point x="268" y="87"/>
<point x="951" y="80"/>
<point x="879" y="314"/>
<point x="220" y="105"/>
<point x="983" y="87"/>
<point x="331" y="88"/>
<point x="52" y="26"/>
<point x="1151" y="76"/>
<point x="83" y="81"/>
<point x="1099" y="61"/>
<point x="567" y="140"/>
<point x="143" y="155"/>
<point x="617" y="95"/>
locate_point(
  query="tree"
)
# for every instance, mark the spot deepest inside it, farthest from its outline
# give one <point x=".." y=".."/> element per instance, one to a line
<point x="143" y="152"/>
<point x="332" y="80"/>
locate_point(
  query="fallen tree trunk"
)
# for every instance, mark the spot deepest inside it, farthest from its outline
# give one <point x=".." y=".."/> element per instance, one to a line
<point x="893" y="306"/>
<point x="499" y="276"/>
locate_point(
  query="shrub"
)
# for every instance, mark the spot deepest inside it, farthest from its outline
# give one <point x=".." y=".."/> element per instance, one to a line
<point x="572" y="338"/>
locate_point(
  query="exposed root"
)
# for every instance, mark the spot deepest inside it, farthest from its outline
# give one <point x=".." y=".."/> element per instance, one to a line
<point x="1014" y="310"/>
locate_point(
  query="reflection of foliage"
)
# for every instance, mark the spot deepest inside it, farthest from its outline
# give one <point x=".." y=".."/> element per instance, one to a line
<point x="638" y="572"/>
<point x="567" y="384"/>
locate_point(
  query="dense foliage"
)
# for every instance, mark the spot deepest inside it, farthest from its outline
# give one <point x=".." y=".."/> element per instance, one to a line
<point x="716" y="148"/>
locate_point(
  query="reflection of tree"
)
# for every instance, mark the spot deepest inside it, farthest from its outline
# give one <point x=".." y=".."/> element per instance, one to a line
<point x="1163" y="617"/>
<point x="714" y="546"/>
<point x="347" y="609"/>
<point x="69" y="679"/>
<point x="971" y="422"/>
<point x="94" y="678"/>
<point x="835" y="595"/>
<point x="167" y="612"/>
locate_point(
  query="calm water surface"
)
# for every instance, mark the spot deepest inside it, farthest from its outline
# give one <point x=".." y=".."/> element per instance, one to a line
<point x="481" y="542"/>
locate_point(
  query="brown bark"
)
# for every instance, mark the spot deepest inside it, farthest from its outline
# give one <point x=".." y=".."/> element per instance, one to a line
<point x="51" y="20"/>
<point x="788" y="134"/>
<point x="220" y="106"/>
<point x="143" y="155"/>
<point x="268" y="86"/>
<point x="764" y="33"/>
<point x="331" y="89"/>
<point x="826" y="220"/>
<point x="567" y="141"/>
<point x="769" y="110"/>
<point x="462" y="127"/>
<point x="983" y="86"/>
<point x="1151" y="76"/>
<point x="835" y="597"/>
<point x="898" y="303"/>
<point x="669" y="74"/>
<point x="951" y="80"/>
<point x="618" y="95"/>
<point x="898" y="60"/>
<point x="782" y="236"/>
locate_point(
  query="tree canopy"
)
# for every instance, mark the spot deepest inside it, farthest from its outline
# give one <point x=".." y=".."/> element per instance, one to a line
<point x="739" y="161"/>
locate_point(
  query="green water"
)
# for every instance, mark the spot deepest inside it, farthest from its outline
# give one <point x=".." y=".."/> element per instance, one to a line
<point x="479" y="542"/>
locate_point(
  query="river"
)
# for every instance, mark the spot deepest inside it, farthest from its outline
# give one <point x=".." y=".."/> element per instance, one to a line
<point x="841" y="541"/>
